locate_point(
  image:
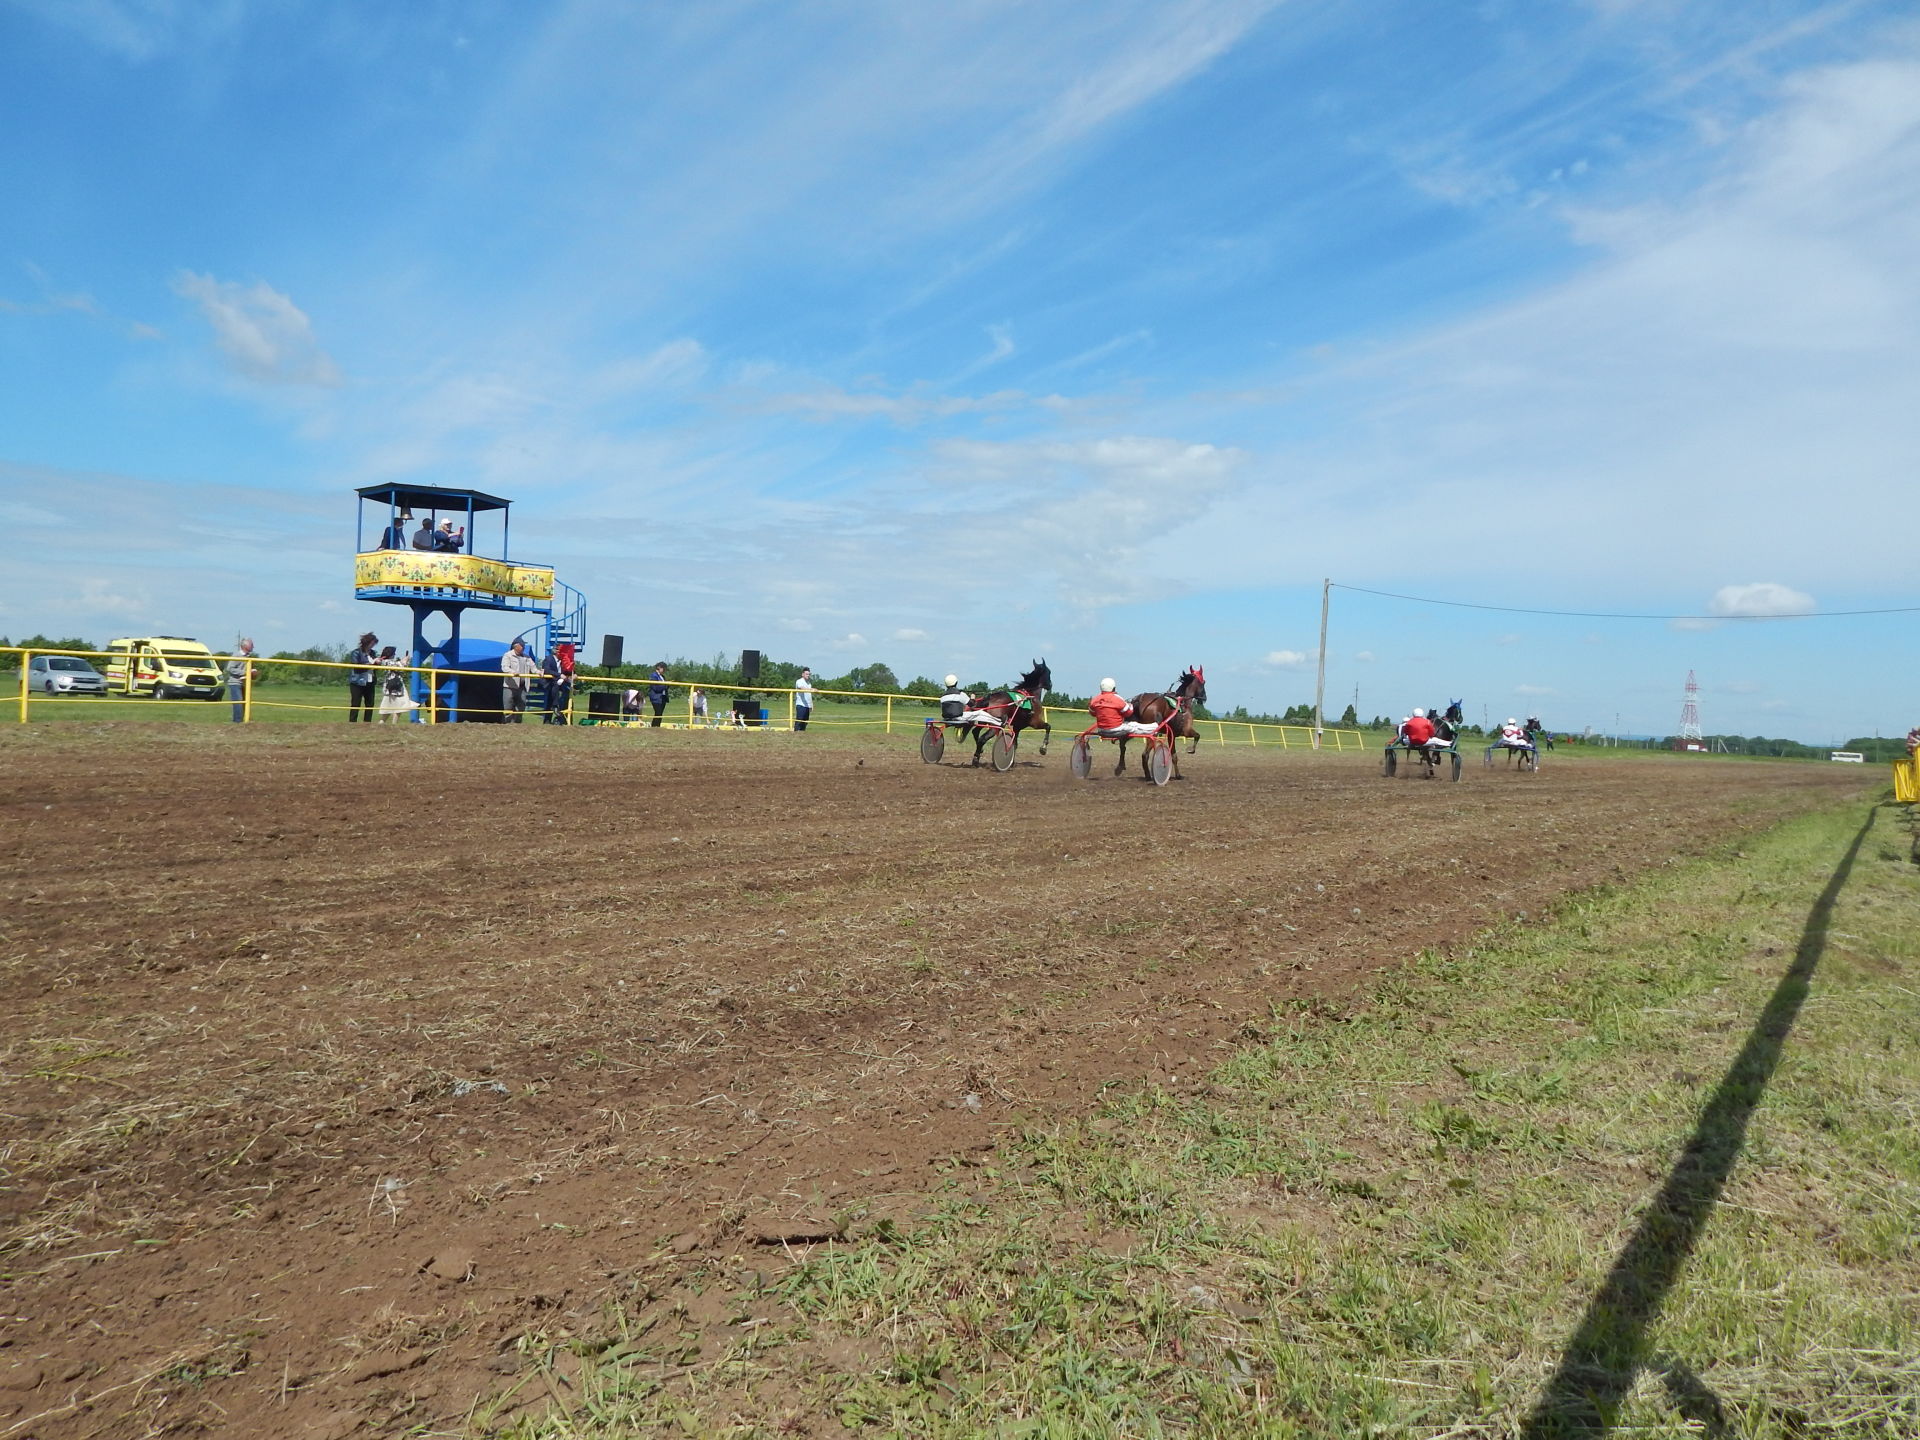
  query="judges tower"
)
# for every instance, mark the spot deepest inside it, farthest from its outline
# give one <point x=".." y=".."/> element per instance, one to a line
<point x="439" y="583"/>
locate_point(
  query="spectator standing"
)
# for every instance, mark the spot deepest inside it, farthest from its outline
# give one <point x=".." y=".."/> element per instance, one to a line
<point x="699" y="706"/>
<point x="802" y="699"/>
<point x="630" y="707"/>
<point x="423" y="537"/>
<point x="559" y="686"/>
<point x="394" y="537"/>
<point x="449" y="539"/>
<point x="395" y="703"/>
<point x="360" y="678"/>
<point x="657" y="692"/>
<point x="516" y="669"/>
<point x="239" y="677"/>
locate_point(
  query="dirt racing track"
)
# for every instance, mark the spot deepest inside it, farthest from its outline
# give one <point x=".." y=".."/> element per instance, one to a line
<point x="332" y="1062"/>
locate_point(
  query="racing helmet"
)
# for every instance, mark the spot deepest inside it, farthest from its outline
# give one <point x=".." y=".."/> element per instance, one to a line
<point x="1107" y="686"/>
<point x="1512" y="721"/>
<point x="1419" y="712"/>
<point x="951" y="681"/>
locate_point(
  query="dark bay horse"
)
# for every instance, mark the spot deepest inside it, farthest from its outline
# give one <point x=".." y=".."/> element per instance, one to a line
<point x="1175" y="708"/>
<point x="1018" y="707"/>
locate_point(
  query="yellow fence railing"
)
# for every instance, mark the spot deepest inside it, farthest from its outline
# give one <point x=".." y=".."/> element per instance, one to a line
<point x="271" y="689"/>
<point x="1906" y="780"/>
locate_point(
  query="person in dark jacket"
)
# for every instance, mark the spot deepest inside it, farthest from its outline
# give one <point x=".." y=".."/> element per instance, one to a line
<point x="360" y="678"/>
<point x="657" y="692"/>
<point x="559" y="687"/>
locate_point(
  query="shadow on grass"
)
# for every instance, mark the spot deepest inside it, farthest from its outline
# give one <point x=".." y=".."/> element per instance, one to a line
<point x="1609" y="1349"/>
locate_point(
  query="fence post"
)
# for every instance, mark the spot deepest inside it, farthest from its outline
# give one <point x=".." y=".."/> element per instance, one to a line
<point x="26" y="662"/>
<point x="1252" y="739"/>
<point x="889" y="714"/>
<point x="246" y="694"/>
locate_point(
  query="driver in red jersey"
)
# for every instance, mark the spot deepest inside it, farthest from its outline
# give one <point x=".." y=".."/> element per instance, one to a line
<point x="1418" y="729"/>
<point x="1109" y="711"/>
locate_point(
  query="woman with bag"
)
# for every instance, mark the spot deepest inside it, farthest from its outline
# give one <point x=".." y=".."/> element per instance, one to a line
<point x="395" y="703"/>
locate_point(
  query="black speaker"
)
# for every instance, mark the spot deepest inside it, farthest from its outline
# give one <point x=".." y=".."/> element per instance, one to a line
<point x="749" y="664"/>
<point x="611" y="647"/>
<point x="605" y="702"/>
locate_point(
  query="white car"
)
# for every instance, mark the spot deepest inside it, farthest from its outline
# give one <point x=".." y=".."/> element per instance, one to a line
<point x="64" y="675"/>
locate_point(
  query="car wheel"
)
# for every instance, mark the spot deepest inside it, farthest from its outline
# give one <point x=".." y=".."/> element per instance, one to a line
<point x="49" y="687"/>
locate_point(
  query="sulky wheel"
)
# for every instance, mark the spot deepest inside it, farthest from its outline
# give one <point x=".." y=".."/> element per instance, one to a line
<point x="1003" y="749"/>
<point x="1159" y="759"/>
<point x="1529" y="760"/>
<point x="1080" y="758"/>
<point x="1456" y="767"/>
<point x="1390" y="764"/>
<point x="933" y="744"/>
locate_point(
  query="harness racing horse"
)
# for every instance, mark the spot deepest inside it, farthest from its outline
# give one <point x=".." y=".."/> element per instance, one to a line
<point x="1018" y="707"/>
<point x="1174" y="709"/>
<point x="1537" y="733"/>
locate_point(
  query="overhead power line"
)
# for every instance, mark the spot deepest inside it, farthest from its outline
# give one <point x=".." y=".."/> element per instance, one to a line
<point x="1620" y="615"/>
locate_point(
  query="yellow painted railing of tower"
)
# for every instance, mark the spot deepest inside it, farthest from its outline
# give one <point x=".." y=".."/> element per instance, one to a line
<point x="387" y="569"/>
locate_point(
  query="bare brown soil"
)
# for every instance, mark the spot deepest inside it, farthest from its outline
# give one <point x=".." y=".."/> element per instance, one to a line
<point x="332" y="1062"/>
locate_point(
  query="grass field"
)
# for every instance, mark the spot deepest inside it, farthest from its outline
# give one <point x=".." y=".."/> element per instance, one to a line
<point x="1653" y="1166"/>
<point x="282" y="702"/>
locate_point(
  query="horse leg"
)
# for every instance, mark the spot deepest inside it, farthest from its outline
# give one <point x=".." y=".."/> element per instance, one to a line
<point x="1120" y="765"/>
<point x="1046" y="735"/>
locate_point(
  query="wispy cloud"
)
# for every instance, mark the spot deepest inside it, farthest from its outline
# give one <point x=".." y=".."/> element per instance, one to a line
<point x="263" y="334"/>
<point x="1762" y="598"/>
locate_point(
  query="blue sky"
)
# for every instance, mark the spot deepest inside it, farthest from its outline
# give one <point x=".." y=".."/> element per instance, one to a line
<point x="955" y="335"/>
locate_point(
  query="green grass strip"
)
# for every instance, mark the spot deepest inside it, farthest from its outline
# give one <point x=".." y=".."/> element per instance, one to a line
<point x="1652" y="1168"/>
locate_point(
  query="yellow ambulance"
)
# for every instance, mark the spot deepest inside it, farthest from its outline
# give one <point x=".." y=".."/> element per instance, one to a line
<point x="164" y="666"/>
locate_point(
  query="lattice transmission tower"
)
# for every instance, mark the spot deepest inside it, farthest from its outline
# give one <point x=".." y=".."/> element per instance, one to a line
<point x="1690" y="711"/>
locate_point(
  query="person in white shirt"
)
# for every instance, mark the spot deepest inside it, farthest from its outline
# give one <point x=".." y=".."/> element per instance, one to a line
<point x="803" y="699"/>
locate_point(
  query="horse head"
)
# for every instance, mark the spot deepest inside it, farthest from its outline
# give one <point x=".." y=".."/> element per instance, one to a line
<point x="1455" y="715"/>
<point x="1038" y="680"/>
<point x="1193" y="685"/>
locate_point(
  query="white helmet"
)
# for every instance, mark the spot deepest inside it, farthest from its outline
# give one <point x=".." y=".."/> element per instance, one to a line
<point x="1418" y="711"/>
<point x="1512" y="721"/>
<point x="951" y="681"/>
<point x="1107" y="686"/>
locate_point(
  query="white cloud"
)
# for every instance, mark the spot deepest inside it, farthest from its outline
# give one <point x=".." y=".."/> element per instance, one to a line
<point x="793" y="624"/>
<point x="1725" y="353"/>
<point x="829" y="403"/>
<point x="1534" y="691"/>
<point x="1365" y="657"/>
<point x="139" y="30"/>
<point x="1759" y="599"/>
<point x="909" y="635"/>
<point x="263" y="334"/>
<point x="1288" y="659"/>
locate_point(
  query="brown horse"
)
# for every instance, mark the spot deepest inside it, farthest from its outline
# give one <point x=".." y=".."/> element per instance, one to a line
<point x="1018" y="707"/>
<point x="1175" y="710"/>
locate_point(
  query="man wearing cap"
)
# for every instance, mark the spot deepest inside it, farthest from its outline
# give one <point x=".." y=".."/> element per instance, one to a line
<point x="516" y="669"/>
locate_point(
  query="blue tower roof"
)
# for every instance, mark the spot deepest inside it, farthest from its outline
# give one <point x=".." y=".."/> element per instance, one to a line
<point x="433" y="497"/>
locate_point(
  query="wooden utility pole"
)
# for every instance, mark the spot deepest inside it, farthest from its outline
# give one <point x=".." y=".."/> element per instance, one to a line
<point x="1320" y="679"/>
